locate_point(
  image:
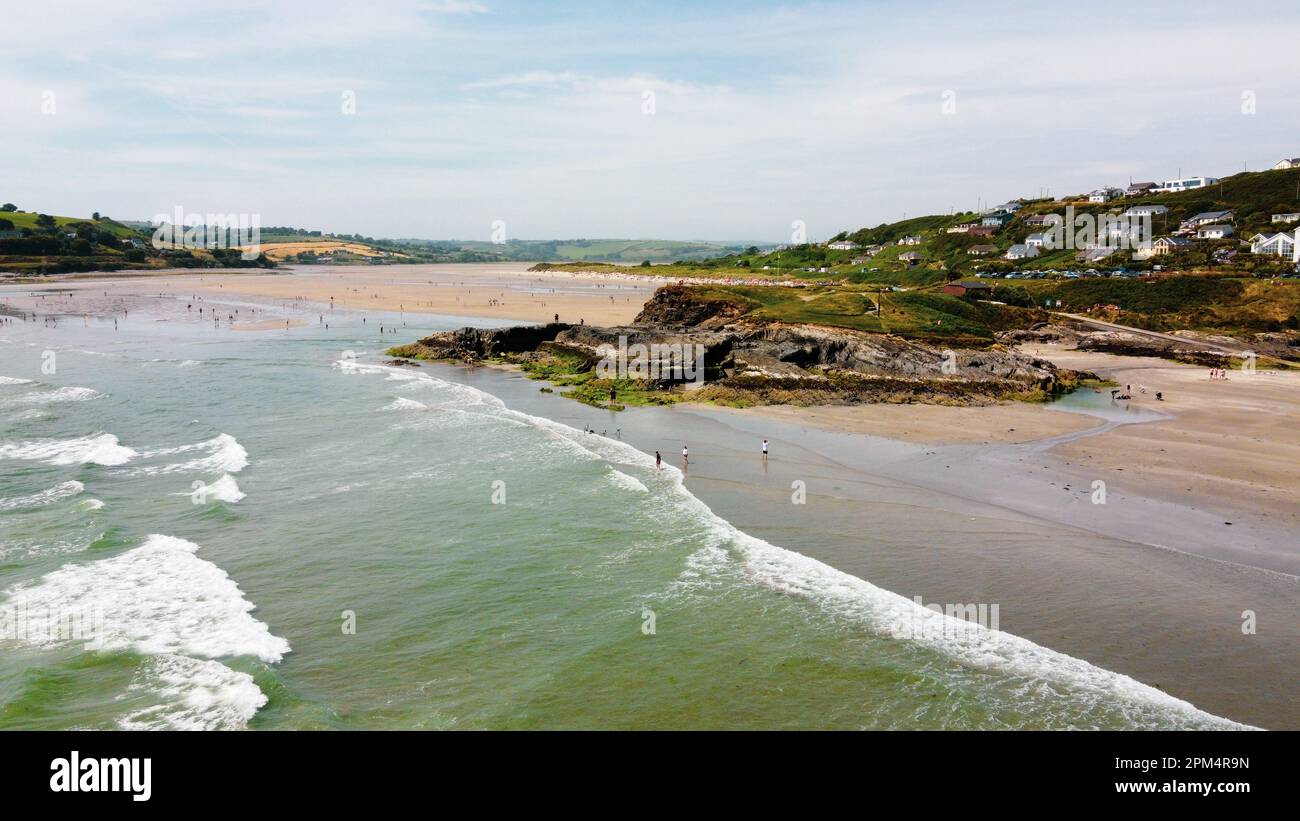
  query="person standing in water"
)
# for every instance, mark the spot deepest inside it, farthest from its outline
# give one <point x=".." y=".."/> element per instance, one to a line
<point x="764" y="448"/>
<point x="686" y="455"/>
<point x="659" y="461"/>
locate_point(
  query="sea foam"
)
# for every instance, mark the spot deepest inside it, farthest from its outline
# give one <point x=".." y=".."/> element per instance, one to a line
<point x="48" y="496"/>
<point x="158" y="598"/>
<point x="100" y="449"/>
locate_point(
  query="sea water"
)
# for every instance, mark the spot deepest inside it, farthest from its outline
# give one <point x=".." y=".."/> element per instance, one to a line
<point x="277" y="530"/>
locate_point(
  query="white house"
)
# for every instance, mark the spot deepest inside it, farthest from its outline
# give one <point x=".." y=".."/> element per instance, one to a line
<point x="842" y="245"/>
<point x="1103" y="195"/>
<point x="961" y="229"/>
<point x="1207" y="218"/>
<point x="1022" y="252"/>
<point x="1036" y="240"/>
<point x="1185" y="184"/>
<point x="1218" y="231"/>
<point x="911" y="257"/>
<point x="910" y="241"/>
<point x="1282" y="165"/>
<point x="1286" y="218"/>
<point x="1281" y="244"/>
<point x="1146" y="211"/>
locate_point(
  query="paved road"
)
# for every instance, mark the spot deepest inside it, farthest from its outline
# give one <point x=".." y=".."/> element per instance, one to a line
<point x="1111" y="326"/>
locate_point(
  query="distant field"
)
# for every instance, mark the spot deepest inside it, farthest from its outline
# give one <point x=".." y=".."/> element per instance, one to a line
<point x="27" y="219"/>
<point x="280" y="251"/>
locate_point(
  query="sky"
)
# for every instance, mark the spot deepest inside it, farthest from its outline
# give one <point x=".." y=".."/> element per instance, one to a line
<point x="441" y="119"/>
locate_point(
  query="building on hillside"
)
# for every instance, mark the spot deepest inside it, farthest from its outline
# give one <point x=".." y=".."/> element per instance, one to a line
<point x="1283" y="164"/>
<point x="15" y="234"/>
<point x="1035" y="220"/>
<point x="911" y="257"/>
<point x="910" y="241"/>
<point x="981" y="250"/>
<point x="1138" y="189"/>
<point x="1037" y="240"/>
<point x="1206" y="218"/>
<point x="1286" y="218"/>
<point x="842" y="245"/>
<point x="961" y="229"/>
<point x="995" y="220"/>
<point x="1279" y="245"/>
<point x="966" y="286"/>
<point x="1103" y="195"/>
<point x="1022" y="251"/>
<point x="1184" y="184"/>
<point x="1146" y="211"/>
<point x="1168" y="245"/>
<point x="982" y="231"/>
<point x="1095" y="254"/>
<point x="1217" y="231"/>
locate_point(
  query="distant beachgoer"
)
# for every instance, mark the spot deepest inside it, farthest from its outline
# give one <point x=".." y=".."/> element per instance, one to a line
<point x="659" y="460"/>
<point x="686" y="454"/>
<point x="557" y="317"/>
<point x="612" y="395"/>
<point x="1160" y="397"/>
<point x="765" y="448"/>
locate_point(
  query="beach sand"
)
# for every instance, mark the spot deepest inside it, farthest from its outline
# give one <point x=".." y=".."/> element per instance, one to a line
<point x="506" y="291"/>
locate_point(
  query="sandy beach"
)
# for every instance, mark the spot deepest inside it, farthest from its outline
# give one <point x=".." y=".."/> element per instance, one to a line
<point x="506" y="291"/>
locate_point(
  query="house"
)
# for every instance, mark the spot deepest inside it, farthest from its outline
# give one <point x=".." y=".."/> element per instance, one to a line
<point x="910" y="241"/>
<point x="1103" y="195"/>
<point x="1282" y="165"/>
<point x="1036" y="240"/>
<point x="1021" y="251"/>
<point x="981" y="250"/>
<point x="1217" y="231"/>
<point x="1185" y="184"/>
<point x="842" y="245"/>
<point x="961" y="229"/>
<point x="1005" y="208"/>
<point x="982" y="231"/>
<point x="1286" y="218"/>
<point x="11" y="234"/>
<point x="965" y="286"/>
<point x="1096" y="254"/>
<point x="1137" y="189"/>
<point x="1280" y="245"/>
<point x="1207" y="218"/>
<point x="996" y="219"/>
<point x="1168" y="245"/>
<point x="911" y="257"/>
<point x="860" y="260"/>
<point x="1146" y="211"/>
<point x="1036" y="220"/>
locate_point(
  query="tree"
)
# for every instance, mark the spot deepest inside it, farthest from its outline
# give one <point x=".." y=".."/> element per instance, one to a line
<point x="6" y="225"/>
<point x="645" y="263"/>
<point x="95" y="216"/>
<point x="8" y="206"/>
<point x="45" y="221"/>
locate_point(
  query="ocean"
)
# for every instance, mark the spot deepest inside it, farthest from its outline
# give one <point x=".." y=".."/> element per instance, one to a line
<point x="275" y="530"/>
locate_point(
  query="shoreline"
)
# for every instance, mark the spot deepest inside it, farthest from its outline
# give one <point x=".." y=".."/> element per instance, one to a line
<point x="884" y="511"/>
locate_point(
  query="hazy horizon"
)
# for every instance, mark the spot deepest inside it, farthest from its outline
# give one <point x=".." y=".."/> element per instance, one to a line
<point x="444" y="118"/>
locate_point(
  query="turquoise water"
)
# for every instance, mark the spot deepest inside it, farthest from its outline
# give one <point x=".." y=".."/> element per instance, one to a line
<point x="274" y="530"/>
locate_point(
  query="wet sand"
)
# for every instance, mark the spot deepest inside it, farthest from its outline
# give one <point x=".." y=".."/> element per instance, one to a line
<point x="505" y="292"/>
<point x="976" y="524"/>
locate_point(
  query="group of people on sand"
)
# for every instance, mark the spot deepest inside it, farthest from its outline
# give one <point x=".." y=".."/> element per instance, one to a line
<point x="1219" y="373"/>
<point x="686" y="456"/>
<point x="1128" y="393"/>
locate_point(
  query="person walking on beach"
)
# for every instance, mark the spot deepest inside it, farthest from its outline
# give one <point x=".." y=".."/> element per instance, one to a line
<point x="686" y="454"/>
<point x="659" y="461"/>
<point x="764" y="449"/>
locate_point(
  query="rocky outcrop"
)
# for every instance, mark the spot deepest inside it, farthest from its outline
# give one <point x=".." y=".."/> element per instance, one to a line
<point x="471" y="344"/>
<point x="1130" y="344"/>
<point x="679" y="306"/>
